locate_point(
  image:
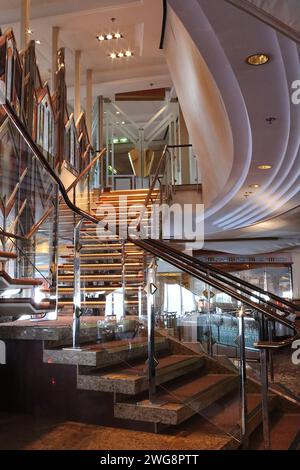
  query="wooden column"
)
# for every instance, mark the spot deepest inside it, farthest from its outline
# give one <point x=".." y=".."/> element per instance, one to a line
<point x="89" y="102"/>
<point x="77" y="102"/>
<point x="55" y="35"/>
<point x="25" y="9"/>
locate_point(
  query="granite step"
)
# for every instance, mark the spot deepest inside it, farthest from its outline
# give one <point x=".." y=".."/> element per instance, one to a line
<point x="180" y="400"/>
<point x="284" y="432"/>
<point x="104" y="354"/>
<point x="225" y="413"/>
<point x="133" y="379"/>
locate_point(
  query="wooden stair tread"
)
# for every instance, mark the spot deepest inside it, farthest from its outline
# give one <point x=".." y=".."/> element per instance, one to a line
<point x="26" y="282"/>
<point x="7" y="255"/>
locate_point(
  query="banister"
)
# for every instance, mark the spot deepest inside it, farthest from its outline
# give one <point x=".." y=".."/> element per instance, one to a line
<point x="44" y="217"/>
<point x="152" y="186"/>
<point x="195" y="272"/>
<point x="86" y="170"/>
<point x="234" y="279"/>
<point x="36" y="151"/>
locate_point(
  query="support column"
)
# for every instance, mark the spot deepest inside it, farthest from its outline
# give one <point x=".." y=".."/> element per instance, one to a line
<point x="296" y="275"/>
<point x="25" y="37"/>
<point x="77" y="103"/>
<point x="89" y="102"/>
<point x="55" y="35"/>
<point x="100" y="143"/>
<point x="184" y="152"/>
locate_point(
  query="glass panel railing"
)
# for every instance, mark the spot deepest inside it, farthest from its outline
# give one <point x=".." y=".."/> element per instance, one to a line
<point x="28" y="217"/>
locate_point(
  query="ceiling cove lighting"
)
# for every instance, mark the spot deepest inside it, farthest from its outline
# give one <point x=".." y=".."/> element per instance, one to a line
<point x="264" y="167"/>
<point x="109" y="36"/>
<point x="258" y="59"/>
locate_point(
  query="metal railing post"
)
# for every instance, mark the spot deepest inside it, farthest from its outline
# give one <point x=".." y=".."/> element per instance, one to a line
<point x="54" y="254"/>
<point x="243" y="377"/>
<point x="151" y="330"/>
<point x="264" y="393"/>
<point x="77" y="286"/>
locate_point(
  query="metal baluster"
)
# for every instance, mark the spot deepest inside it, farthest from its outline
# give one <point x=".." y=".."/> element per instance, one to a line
<point x="243" y="377"/>
<point x="77" y="286"/>
<point x="54" y="257"/>
<point x="151" y="331"/>
<point x="264" y="393"/>
<point x="270" y="353"/>
<point x="123" y="278"/>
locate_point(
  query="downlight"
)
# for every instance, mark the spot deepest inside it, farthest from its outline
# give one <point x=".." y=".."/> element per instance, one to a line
<point x="258" y="59"/>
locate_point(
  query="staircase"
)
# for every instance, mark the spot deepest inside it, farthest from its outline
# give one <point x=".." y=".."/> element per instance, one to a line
<point x="196" y="396"/>
<point x="107" y="266"/>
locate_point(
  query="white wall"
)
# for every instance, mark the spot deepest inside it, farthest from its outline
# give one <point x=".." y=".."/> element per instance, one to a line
<point x="202" y="106"/>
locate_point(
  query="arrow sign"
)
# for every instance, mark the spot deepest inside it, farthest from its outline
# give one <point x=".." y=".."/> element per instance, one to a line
<point x="153" y="288"/>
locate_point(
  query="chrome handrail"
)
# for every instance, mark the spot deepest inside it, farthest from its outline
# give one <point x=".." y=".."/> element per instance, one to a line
<point x="194" y="271"/>
<point x="229" y="278"/>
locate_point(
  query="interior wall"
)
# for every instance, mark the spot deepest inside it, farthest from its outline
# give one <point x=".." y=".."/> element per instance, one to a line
<point x="202" y="106"/>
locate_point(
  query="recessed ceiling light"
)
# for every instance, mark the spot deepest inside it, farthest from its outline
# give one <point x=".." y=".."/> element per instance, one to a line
<point x="264" y="167"/>
<point x="118" y="35"/>
<point x="29" y="31"/>
<point x="117" y="112"/>
<point x="38" y="41"/>
<point x="128" y="53"/>
<point x="254" y="186"/>
<point x="101" y="37"/>
<point x="258" y="59"/>
<point x="109" y="36"/>
<point x="113" y="55"/>
<point x="123" y="122"/>
<point x="121" y="54"/>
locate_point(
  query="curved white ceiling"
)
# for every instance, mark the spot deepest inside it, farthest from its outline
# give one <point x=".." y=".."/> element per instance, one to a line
<point x="251" y="95"/>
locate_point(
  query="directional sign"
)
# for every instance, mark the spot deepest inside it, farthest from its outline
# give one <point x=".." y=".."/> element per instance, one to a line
<point x="153" y="288"/>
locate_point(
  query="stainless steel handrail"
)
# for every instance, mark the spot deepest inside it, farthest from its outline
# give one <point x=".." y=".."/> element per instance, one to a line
<point x="194" y="271"/>
<point x="38" y="154"/>
<point x="233" y="280"/>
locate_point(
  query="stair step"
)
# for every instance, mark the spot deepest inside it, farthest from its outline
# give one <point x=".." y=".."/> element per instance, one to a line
<point x="226" y="415"/>
<point x="284" y="432"/>
<point x="100" y="266"/>
<point x="7" y="255"/>
<point x="24" y="306"/>
<point x="102" y="246"/>
<point x="101" y="277"/>
<point x="182" y="400"/>
<point x="70" y="290"/>
<point x="132" y="380"/>
<point x="92" y="303"/>
<point x="7" y="282"/>
<point x="109" y="255"/>
<point x="104" y="354"/>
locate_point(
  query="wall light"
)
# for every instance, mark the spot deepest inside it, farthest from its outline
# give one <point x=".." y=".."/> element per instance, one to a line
<point x="38" y="42"/>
